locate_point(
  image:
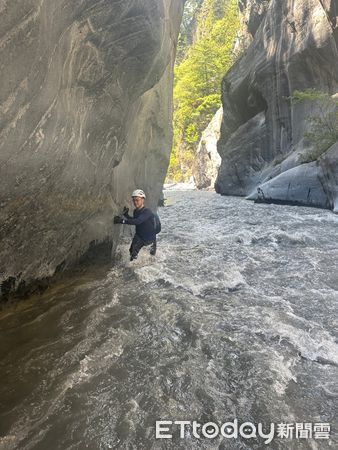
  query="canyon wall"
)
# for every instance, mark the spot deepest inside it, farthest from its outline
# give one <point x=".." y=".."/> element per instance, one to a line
<point x="291" y="46"/>
<point x="85" y="114"/>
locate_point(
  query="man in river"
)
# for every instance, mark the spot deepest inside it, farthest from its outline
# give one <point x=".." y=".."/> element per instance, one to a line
<point x="144" y="220"/>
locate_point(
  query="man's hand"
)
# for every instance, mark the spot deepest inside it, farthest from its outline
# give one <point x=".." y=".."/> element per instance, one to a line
<point x="118" y="219"/>
<point x="125" y="211"/>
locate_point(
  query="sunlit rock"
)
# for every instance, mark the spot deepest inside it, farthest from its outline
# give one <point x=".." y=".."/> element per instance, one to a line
<point x="208" y="161"/>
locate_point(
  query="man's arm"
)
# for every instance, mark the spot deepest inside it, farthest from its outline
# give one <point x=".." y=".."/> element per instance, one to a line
<point x="145" y="215"/>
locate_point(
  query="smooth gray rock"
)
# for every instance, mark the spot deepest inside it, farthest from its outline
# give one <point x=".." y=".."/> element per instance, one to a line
<point x="207" y="160"/>
<point x="294" y="47"/>
<point x="85" y="108"/>
<point x="253" y="12"/>
<point x="248" y="140"/>
<point x="311" y="184"/>
<point x="328" y="175"/>
<point x="298" y="186"/>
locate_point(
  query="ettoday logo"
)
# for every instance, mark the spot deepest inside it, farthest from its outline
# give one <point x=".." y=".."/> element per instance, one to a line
<point x="210" y="430"/>
<point x="246" y="430"/>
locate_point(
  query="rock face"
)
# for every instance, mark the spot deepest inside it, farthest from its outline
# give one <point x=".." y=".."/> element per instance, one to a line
<point x="252" y="12"/>
<point x="85" y="112"/>
<point x="207" y="160"/>
<point x="294" y="47"/>
<point x="328" y="176"/>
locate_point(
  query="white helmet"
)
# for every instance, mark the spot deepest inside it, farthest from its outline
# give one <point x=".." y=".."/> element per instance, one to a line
<point x="138" y="193"/>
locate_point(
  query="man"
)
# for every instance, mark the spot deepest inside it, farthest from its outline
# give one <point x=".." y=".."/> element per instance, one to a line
<point x="143" y="219"/>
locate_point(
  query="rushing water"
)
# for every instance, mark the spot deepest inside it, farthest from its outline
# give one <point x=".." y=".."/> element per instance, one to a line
<point x="235" y="318"/>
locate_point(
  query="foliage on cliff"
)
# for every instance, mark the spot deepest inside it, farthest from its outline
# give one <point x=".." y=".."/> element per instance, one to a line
<point x="322" y="132"/>
<point x="198" y="80"/>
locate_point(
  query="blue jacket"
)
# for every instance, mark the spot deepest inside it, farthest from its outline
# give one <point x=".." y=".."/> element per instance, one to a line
<point x="143" y="219"/>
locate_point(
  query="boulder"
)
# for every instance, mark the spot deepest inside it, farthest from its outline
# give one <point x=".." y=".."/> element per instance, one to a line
<point x="298" y="186"/>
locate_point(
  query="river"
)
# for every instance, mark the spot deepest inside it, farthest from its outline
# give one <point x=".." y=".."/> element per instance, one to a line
<point x="235" y="318"/>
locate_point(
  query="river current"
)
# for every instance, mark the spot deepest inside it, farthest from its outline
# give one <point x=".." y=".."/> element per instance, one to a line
<point x="235" y="318"/>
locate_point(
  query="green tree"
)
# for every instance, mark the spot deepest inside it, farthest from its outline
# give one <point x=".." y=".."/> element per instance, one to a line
<point x="198" y="80"/>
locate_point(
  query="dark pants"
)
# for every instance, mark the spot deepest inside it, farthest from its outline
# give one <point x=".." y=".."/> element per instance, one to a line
<point x="136" y="245"/>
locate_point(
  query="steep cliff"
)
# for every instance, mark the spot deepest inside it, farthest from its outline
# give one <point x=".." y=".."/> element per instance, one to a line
<point x="252" y="12"/>
<point x="207" y="160"/>
<point x="262" y="145"/>
<point x="85" y="112"/>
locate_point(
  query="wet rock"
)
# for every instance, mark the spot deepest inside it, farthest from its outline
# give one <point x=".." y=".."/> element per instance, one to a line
<point x="85" y="108"/>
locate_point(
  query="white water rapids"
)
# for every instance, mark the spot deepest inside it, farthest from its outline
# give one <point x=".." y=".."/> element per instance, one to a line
<point x="235" y="317"/>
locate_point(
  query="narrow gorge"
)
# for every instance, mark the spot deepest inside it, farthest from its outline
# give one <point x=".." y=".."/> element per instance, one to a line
<point x="86" y="109"/>
<point x="224" y="336"/>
